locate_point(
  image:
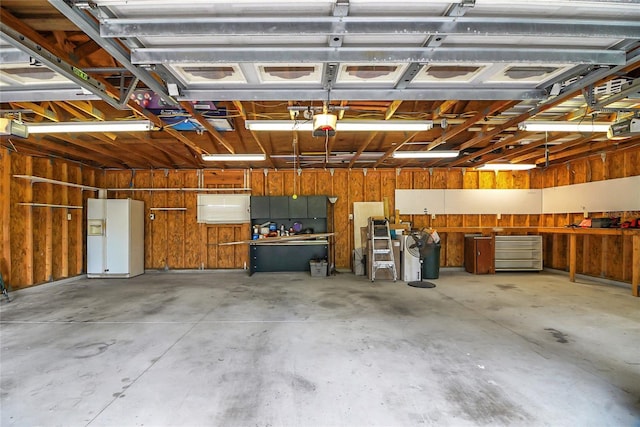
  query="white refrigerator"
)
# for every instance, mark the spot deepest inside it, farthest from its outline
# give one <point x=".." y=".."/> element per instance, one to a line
<point x="115" y="238"/>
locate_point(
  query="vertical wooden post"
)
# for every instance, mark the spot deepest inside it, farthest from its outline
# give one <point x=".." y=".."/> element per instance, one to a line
<point x="48" y="236"/>
<point x="5" y="216"/>
<point x="572" y="256"/>
<point x="28" y="221"/>
<point x="64" y="232"/>
<point x="635" y="266"/>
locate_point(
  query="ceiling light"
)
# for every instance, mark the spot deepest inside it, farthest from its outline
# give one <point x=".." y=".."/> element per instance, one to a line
<point x="553" y="126"/>
<point x="433" y="154"/>
<point x="233" y="157"/>
<point x="342" y="125"/>
<point x="506" y="166"/>
<point x="113" y="126"/>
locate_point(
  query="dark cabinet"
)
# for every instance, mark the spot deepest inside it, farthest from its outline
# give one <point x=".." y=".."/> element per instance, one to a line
<point x="317" y="206"/>
<point x="479" y="255"/>
<point x="285" y="207"/>
<point x="278" y="207"/>
<point x="260" y="207"/>
<point x="289" y="257"/>
<point x="298" y="207"/>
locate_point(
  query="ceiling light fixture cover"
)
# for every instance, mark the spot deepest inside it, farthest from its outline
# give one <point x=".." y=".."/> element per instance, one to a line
<point x="433" y="154"/>
<point x="112" y="126"/>
<point x="324" y="124"/>
<point x="506" y="166"/>
<point x="342" y="125"/>
<point x="233" y="157"/>
<point x="553" y="126"/>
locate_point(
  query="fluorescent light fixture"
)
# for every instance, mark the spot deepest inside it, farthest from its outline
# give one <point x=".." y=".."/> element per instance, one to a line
<point x="233" y="157"/>
<point x="553" y="126"/>
<point x="506" y="167"/>
<point x="113" y="126"/>
<point x="342" y="125"/>
<point x="433" y="154"/>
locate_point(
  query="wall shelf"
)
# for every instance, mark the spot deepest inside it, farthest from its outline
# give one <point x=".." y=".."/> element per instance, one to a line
<point x="47" y="205"/>
<point x="179" y="189"/>
<point x="167" y="209"/>
<point x="36" y="179"/>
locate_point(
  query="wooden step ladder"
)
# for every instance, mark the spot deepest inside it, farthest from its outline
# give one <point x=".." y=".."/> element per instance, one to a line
<point x="380" y="248"/>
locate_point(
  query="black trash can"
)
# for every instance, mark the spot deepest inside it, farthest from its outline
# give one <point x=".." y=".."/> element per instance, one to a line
<point x="431" y="261"/>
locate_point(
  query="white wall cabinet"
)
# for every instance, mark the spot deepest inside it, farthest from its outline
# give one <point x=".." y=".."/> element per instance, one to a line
<point x="518" y="253"/>
<point x="115" y="238"/>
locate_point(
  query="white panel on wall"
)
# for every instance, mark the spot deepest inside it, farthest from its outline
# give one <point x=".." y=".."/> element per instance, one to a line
<point x="420" y="202"/>
<point x="621" y="194"/>
<point x="223" y="208"/>
<point x="490" y="201"/>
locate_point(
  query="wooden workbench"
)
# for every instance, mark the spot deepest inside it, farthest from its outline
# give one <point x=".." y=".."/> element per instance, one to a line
<point x="573" y="233"/>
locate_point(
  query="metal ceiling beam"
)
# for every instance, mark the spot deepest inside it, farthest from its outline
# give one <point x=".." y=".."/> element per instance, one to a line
<point x="114" y="49"/>
<point x="367" y="54"/>
<point x="436" y="40"/>
<point x="364" y="94"/>
<point x="175" y="26"/>
<point x="41" y="95"/>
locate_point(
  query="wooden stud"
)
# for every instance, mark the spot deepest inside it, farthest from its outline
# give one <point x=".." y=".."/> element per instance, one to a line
<point x="5" y="215"/>
<point x="64" y="223"/>
<point x="635" y="263"/>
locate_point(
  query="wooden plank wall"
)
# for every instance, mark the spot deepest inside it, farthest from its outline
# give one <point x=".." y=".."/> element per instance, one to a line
<point x="173" y="238"/>
<point x="606" y="257"/>
<point x="41" y="244"/>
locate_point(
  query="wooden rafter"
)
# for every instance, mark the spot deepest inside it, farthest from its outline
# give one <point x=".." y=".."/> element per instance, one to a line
<point x="38" y="110"/>
<point x="208" y="126"/>
<point x="88" y="108"/>
<point x="391" y="109"/>
<point x="362" y="147"/>
<point x="393" y="148"/>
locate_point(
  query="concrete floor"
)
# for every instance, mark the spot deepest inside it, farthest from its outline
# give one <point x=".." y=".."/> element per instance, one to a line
<point x="225" y="349"/>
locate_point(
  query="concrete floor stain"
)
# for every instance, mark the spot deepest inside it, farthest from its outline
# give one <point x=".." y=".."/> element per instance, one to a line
<point x="559" y="336"/>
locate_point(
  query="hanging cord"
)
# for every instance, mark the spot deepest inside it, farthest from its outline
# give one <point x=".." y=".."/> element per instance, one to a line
<point x="326" y="147"/>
